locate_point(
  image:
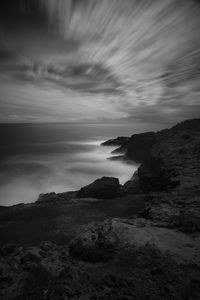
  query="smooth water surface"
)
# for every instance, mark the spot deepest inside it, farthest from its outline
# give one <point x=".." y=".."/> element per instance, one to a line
<point x="41" y="158"/>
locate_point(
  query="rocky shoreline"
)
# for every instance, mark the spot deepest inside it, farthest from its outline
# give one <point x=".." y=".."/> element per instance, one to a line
<point x="140" y="240"/>
<point x="169" y="173"/>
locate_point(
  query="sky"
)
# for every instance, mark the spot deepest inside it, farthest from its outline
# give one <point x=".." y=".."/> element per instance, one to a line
<point x="100" y="61"/>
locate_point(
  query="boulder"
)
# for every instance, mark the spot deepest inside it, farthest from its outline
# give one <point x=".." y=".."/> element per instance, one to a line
<point x="103" y="188"/>
<point x="30" y="260"/>
<point x="97" y="243"/>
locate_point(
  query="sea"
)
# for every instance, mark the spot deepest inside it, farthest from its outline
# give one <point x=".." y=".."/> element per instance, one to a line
<point x="57" y="157"/>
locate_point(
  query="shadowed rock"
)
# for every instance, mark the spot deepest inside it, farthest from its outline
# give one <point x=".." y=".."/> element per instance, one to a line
<point x="103" y="188"/>
<point x="140" y="146"/>
<point x="132" y="186"/>
<point x="30" y="260"/>
<point x="98" y="243"/>
<point x="53" y="198"/>
<point x="153" y="176"/>
<point x="7" y="249"/>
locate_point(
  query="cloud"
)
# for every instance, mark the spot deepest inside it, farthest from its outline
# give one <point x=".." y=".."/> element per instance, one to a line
<point x="87" y="78"/>
<point x="140" y="42"/>
<point x="43" y="103"/>
<point x="101" y="60"/>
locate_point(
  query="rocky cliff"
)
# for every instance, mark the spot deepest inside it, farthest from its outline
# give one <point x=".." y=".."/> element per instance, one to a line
<point x="168" y="158"/>
<point x="169" y="173"/>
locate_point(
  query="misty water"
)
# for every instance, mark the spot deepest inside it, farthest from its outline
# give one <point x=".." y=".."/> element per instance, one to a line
<point x="42" y="158"/>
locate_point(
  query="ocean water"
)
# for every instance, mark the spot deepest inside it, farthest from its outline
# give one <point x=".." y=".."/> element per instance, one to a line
<point x="41" y="158"/>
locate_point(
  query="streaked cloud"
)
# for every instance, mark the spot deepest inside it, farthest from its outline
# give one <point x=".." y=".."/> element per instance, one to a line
<point x="102" y="60"/>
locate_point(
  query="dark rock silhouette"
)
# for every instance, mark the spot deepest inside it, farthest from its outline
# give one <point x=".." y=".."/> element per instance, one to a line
<point x="97" y="243"/>
<point x="132" y="186"/>
<point x="119" y="141"/>
<point x="153" y="176"/>
<point x="170" y="161"/>
<point x="54" y="198"/>
<point x="139" y="146"/>
<point x="103" y="188"/>
<point x="168" y="158"/>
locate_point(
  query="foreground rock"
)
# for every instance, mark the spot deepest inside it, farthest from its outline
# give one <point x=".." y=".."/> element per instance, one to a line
<point x="101" y="241"/>
<point x="103" y="188"/>
<point x="97" y="243"/>
<point x="118" y="259"/>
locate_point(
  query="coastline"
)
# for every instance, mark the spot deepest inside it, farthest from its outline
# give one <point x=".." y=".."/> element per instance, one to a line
<point x="41" y="159"/>
<point x="149" y="226"/>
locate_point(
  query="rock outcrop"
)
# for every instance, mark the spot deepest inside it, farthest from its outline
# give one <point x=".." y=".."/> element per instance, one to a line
<point x="170" y="168"/>
<point x="97" y="243"/>
<point x="168" y="158"/>
<point x="179" y="209"/>
<point x="54" y="198"/>
<point x="174" y="158"/>
<point x="119" y="141"/>
<point x="139" y="146"/>
<point x="103" y="188"/>
<point x="132" y="186"/>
